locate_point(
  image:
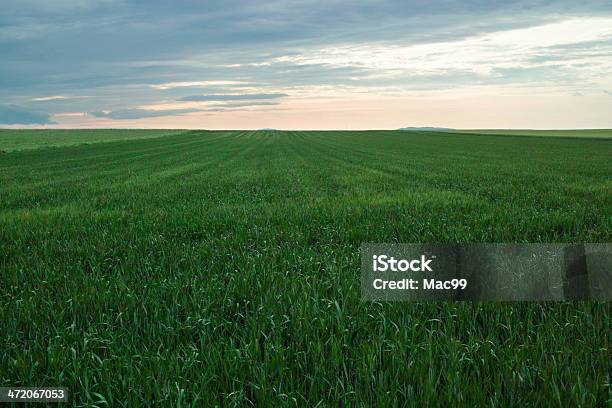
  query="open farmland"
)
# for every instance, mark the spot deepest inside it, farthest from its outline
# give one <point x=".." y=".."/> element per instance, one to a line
<point x="201" y="268"/>
<point x="12" y="140"/>
<point x="585" y="133"/>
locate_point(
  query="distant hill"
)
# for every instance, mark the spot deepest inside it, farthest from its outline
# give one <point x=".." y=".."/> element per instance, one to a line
<point x="425" y="129"/>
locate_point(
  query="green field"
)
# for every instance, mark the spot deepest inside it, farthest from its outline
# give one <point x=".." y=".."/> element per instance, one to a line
<point x="12" y="140"/>
<point x="222" y="268"/>
<point x="583" y="133"/>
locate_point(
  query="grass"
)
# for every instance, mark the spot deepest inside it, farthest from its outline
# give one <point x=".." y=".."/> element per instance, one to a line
<point x="13" y="140"/>
<point x="584" y="133"/>
<point x="222" y="268"/>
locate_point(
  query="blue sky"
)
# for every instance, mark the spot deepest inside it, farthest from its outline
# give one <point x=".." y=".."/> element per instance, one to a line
<point x="306" y="64"/>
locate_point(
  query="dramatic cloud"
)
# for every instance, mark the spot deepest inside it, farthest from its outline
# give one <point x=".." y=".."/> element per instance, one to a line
<point x="398" y="56"/>
<point x="231" y="97"/>
<point x="16" y="115"/>
<point x="481" y="55"/>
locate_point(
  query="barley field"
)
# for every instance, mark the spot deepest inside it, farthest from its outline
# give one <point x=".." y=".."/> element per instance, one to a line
<point x="203" y="268"/>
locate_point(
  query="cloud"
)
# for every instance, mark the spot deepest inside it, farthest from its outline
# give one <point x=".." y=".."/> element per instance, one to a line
<point x="238" y="105"/>
<point x="231" y="97"/>
<point x="56" y="7"/>
<point x="189" y="84"/>
<point x="48" y="98"/>
<point x="481" y="54"/>
<point x="609" y="93"/>
<point x="17" y="115"/>
<point x="127" y="56"/>
<point x="124" y="114"/>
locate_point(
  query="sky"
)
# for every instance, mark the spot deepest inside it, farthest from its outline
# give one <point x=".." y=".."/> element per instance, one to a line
<point x="305" y="64"/>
